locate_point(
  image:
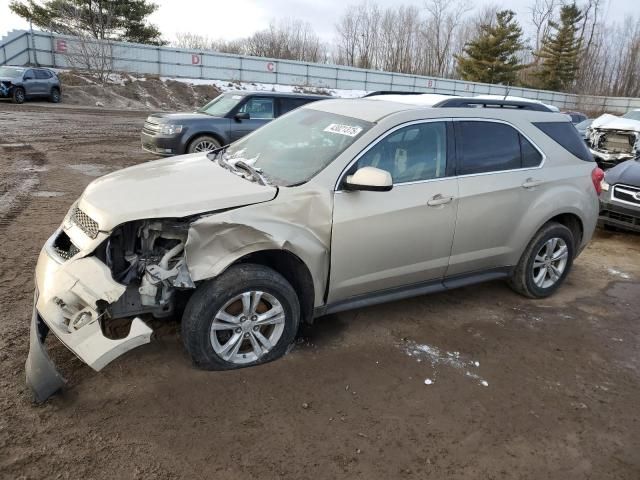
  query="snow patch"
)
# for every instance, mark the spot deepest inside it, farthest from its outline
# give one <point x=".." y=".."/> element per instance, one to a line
<point x="439" y="357"/>
<point x="618" y="273"/>
<point x="90" y="169"/>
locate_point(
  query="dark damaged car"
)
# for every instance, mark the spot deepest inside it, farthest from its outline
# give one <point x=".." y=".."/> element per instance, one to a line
<point x="20" y="84"/>
<point x="224" y="120"/>
<point x="620" y="197"/>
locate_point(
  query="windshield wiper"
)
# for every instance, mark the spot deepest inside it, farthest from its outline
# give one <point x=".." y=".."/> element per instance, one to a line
<point x="254" y="172"/>
<point x="213" y="154"/>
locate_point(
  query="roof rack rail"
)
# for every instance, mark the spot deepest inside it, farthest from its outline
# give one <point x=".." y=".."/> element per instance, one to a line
<point x="458" y="102"/>
<point x="402" y="92"/>
<point x="389" y="92"/>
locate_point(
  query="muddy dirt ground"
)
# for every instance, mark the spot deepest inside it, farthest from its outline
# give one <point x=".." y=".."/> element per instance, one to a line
<point x="519" y="389"/>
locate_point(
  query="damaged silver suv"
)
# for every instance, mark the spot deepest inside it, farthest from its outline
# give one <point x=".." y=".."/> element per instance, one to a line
<point x="337" y="205"/>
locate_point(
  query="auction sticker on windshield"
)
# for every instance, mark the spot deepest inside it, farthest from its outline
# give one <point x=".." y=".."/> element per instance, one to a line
<point x="347" y="130"/>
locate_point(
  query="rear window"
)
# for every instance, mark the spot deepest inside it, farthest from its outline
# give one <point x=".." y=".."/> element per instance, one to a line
<point x="565" y="134"/>
<point x="42" y="74"/>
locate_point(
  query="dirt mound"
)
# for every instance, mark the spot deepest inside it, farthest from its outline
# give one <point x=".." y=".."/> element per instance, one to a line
<point x="123" y="91"/>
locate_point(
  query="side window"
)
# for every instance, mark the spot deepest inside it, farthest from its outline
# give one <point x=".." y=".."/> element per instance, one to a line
<point x="413" y="153"/>
<point x="42" y="75"/>
<point x="486" y="147"/>
<point x="29" y="75"/>
<point x="258" y="107"/>
<point x="288" y="104"/>
<point x="531" y="157"/>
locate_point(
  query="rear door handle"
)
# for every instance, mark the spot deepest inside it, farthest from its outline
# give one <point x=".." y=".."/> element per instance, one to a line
<point x="531" y="183"/>
<point x="438" y="200"/>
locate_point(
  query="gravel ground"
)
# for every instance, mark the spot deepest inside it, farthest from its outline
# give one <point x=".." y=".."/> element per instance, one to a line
<point x="473" y="383"/>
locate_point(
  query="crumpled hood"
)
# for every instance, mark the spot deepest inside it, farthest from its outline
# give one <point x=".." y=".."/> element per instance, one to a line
<point x="170" y="188"/>
<point x="611" y="122"/>
<point x="626" y="172"/>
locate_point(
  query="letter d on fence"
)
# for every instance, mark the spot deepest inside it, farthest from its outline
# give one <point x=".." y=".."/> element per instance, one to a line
<point x="195" y="59"/>
<point x="61" y="46"/>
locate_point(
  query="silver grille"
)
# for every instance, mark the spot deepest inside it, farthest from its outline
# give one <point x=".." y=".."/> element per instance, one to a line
<point x="627" y="194"/>
<point x="85" y="222"/>
<point x="151" y="128"/>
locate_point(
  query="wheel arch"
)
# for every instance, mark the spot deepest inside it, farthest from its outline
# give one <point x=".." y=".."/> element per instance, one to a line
<point x="574" y="223"/>
<point x="293" y="269"/>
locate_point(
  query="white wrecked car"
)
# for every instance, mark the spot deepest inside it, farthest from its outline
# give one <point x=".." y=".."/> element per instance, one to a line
<point x="615" y="139"/>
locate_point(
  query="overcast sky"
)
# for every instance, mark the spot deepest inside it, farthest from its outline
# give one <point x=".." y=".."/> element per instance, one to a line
<point x="240" y="18"/>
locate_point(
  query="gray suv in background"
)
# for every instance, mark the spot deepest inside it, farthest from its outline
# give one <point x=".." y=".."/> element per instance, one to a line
<point x="225" y="119"/>
<point x="20" y="83"/>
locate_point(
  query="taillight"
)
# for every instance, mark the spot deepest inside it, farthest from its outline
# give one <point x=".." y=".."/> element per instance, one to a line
<point x="597" y="175"/>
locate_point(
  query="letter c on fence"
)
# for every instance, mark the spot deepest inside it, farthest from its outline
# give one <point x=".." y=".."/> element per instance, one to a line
<point x="61" y="46"/>
<point x="271" y="66"/>
<point x="195" y="59"/>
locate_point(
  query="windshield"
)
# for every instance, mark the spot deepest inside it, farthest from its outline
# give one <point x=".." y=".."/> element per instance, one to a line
<point x="221" y="105"/>
<point x="292" y="149"/>
<point x="633" y="115"/>
<point x="10" y="72"/>
<point x="584" y="124"/>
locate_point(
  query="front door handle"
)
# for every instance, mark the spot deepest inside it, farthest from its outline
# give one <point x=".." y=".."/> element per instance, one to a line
<point x="531" y="183"/>
<point x="438" y="200"/>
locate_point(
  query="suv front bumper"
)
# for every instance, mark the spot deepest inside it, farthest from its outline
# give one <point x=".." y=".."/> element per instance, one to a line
<point x="161" y="145"/>
<point x="620" y="216"/>
<point x="66" y="304"/>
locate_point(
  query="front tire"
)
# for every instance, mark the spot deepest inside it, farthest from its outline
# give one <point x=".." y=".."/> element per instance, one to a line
<point x="247" y="316"/>
<point x="18" y="95"/>
<point x="203" y="143"/>
<point x="55" y="95"/>
<point x="545" y="263"/>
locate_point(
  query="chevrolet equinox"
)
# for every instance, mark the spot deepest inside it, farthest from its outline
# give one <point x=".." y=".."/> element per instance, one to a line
<point x="336" y="205"/>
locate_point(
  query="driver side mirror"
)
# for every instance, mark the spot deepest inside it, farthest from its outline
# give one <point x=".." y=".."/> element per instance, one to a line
<point x="242" y="116"/>
<point x="369" y="179"/>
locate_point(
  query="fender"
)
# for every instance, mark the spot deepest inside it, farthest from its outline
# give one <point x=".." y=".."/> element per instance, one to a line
<point x="296" y="222"/>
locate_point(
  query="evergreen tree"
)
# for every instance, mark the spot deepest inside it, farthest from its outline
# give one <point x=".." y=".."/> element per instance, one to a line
<point x="123" y="20"/>
<point x="560" y="51"/>
<point x="491" y="57"/>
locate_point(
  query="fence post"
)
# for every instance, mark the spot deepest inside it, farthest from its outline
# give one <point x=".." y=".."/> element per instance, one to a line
<point x="159" y="61"/>
<point x="240" y="70"/>
<point x="308" y="78"/>
<point x="366" y="79"/>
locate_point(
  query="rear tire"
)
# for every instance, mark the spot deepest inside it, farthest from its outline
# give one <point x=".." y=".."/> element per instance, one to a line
<point x="222" y="332"/>
<point x="203" y="143"/>
<point x="55" y="95"/>
<point x="545" y="263"/>
<point x="18" y="95"/>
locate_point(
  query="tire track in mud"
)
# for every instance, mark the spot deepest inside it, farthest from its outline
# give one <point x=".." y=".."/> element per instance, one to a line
<point x="19" y="177"/>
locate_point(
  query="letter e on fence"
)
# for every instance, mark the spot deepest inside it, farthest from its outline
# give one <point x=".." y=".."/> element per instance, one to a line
<point x="61" y="46"/>
<point x="271" y="67"/>
<point x="195" y="59"/>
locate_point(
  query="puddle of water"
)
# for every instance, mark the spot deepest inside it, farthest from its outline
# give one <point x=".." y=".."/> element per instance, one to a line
<point x="627" y="292"/>
<point x="45" y="194"/>
<point x="90" y="169"/>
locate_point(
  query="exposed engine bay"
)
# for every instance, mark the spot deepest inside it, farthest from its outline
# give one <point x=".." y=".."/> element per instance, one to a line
<point x="147" y="257"/>
<point x="623" y="144"/>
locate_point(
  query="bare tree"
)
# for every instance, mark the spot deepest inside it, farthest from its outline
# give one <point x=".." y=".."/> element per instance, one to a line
<point x="542" y="12"/>
<point x="444" y="18"/>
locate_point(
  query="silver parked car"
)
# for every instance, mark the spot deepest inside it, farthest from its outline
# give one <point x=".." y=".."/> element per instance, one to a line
<point x="336" y="205"/>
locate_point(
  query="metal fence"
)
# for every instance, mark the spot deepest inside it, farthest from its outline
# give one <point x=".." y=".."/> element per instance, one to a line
<point x="58" y="51"/>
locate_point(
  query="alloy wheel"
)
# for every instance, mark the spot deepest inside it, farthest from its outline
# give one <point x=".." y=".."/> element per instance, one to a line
<point x="205" y="146"/>
<point x="247" y="327"/>
<point x="550" y="262"/>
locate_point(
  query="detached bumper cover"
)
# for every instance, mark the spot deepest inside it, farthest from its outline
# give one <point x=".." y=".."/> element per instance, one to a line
<point x="66" y="304"/>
